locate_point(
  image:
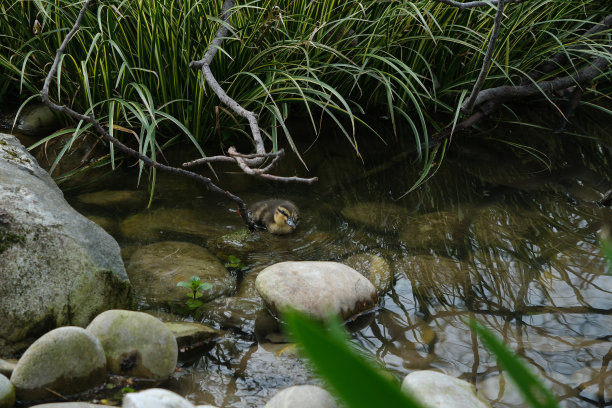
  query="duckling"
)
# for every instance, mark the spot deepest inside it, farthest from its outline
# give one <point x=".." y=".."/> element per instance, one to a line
<point x="277" y="216"/>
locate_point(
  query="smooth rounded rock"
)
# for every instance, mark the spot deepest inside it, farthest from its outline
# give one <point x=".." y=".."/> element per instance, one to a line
<point x="155" y="398"/>
<point x="316" y="288"/>
<point x="436" y="389"/>
<point x="67" y="360"/>
<point x="136" y="344"/>
<point x="189" y="335"/>
<point x="302" y="396"/>
<point x="234" y="313"/>
<point x="7" y="393"/>
<point x="436" y="229"/>
<point x="125" y="200"/>
<point x="379" y="216"/>
<point x="37" y="119"/>
<point x="375" y="268"/>
<point x="155" y="269"/>
<point x="435" y="275"/>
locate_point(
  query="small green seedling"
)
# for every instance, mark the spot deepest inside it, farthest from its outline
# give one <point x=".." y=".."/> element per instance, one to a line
<point x="197" y="288"/>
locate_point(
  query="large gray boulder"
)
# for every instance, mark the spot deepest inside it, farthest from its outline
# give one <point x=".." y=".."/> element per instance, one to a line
<point x="67" y="360"/>
<point x="57" y="267"/>
<point x="316" y="288"/>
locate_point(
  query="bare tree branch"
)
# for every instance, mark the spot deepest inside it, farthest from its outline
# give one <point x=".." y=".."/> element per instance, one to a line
<point x="562" y="58"/>
<point x="242" y="209"/>
<point x="486" y="62"/>
<point x="509" y="92"/>
<point x="245" y="162"/>
<point x="489" y="99"/>
<point x="473" y="4"/>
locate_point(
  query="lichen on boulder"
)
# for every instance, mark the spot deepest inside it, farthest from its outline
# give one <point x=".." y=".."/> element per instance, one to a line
<point x="59" y="268"/>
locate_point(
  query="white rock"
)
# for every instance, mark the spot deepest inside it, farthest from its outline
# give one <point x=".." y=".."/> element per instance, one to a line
<point x="435" y="389"/>
<point x="155" y="398"/>
<point x="136" y="344"/>
<point x="7" y="393"/>
<point x="316" y="288"/>
<point x="302" y="396"/>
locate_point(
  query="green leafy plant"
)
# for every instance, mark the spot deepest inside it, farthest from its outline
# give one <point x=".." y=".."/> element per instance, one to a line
<point x="196" y="288"/>
<point x="362" y="385"/>
<point x="129" y="63"/>
<point x="234" y="263"/>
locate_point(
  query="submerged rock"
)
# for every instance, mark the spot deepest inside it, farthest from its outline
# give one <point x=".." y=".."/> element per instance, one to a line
<point x="156" y="224"/>
<point x="435" y="389"/>
<point x="384" y="217"/>
<point x="375" y="268"/>
<point x="437" y="276"/>
<point x="58" y="267"/>
<point x="34" y="119"/>
<point x="234" y="313"/>
<point x="67" y="360"/>
<point x="7" y="393"/>
<point x="190" y="335"/>
<point x="155" y="398"/>
<point x="434" y="229"/>
<point x="124" y="200"/>
<point x="302" y="396"/>
<point x="500" y="228"/>
<point x="109" y="224"/>
<point x="155" y="270"/>
<point x="316" y="288"/>
<point x="136" y="344"/>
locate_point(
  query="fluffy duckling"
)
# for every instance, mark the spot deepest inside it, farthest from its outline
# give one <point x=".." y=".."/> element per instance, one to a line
<point x="277" y="216"/>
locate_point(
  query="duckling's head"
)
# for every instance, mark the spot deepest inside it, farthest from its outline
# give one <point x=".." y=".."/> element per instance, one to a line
<point x="286" y="218"/>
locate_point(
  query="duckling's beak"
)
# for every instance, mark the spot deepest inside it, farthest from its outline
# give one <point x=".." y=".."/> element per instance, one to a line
<point x="291" y="223"/>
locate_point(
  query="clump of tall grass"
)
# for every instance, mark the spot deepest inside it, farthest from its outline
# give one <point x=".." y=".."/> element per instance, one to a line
<point x="413" y="61"/>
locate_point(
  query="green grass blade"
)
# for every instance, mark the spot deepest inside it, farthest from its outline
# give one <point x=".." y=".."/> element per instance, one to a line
<point x="352" y="377"/>
<point x="530" y="386"/>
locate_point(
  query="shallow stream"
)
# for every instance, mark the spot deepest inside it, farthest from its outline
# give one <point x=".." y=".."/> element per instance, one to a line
<point x="504" y="234"/>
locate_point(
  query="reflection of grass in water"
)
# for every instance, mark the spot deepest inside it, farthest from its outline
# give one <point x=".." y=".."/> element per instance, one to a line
<point x="362" y="385"/>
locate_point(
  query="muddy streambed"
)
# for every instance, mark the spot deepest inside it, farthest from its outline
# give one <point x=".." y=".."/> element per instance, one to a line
<point x="507" y="235"/>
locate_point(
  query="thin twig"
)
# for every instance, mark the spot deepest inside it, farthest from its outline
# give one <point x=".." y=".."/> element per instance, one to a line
<point x="486" y="63"/>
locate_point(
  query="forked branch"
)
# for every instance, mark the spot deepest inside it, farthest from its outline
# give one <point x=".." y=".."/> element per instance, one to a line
<point x="245" y="162"/>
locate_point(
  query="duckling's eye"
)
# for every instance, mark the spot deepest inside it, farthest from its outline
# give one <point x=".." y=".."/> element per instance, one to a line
<point x="283" y="212"/>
